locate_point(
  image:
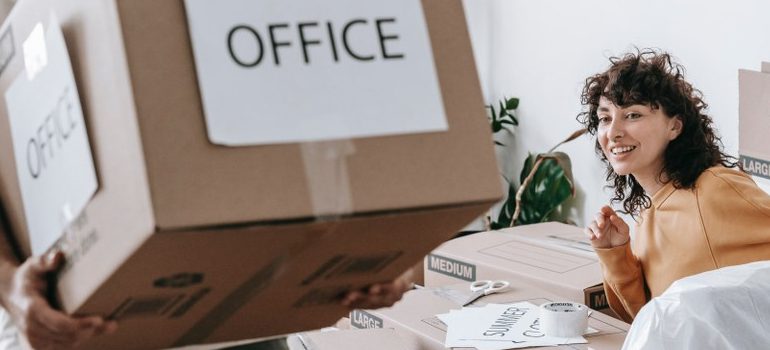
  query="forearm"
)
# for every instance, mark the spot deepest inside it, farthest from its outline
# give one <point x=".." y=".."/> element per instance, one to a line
<point x="623" y="279"/>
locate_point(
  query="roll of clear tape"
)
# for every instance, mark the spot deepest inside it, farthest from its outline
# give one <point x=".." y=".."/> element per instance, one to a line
<point x="564" y="319"/>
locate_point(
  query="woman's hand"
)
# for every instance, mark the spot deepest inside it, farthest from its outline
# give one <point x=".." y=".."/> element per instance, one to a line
<point x="379" y="295"/>
<point x="608" y="230"/>
<point x="23" y="296"/>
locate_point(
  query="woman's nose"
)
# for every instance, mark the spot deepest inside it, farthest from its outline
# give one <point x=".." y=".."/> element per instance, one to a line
<point x="616" y="129"/>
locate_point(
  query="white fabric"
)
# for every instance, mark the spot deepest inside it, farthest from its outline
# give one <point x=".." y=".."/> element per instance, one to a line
<point x="728" y="308"/>
<point x="9" y="336"/>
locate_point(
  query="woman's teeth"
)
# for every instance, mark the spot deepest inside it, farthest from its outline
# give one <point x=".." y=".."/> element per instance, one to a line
<point x="619" y="150"/>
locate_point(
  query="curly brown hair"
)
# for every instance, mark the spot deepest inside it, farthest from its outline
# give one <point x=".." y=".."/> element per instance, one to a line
<point x="652" y="78"/>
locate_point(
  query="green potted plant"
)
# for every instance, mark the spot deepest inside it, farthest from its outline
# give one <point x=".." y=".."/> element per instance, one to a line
<point x="544" y="183"/>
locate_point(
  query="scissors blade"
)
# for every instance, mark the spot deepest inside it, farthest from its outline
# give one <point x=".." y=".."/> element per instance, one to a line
<point x="476" y="295"/>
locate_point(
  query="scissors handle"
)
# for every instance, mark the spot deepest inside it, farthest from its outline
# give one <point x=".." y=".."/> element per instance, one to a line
<point x="489" y="286"/>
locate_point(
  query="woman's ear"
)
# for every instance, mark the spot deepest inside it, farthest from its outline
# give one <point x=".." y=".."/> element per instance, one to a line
<point x="675" y="125"/>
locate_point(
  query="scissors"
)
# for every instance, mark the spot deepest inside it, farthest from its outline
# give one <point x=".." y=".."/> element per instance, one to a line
<point x="485" y="287"/>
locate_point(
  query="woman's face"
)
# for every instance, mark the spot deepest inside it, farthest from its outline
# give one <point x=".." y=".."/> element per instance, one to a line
<point x="634" y="138"/>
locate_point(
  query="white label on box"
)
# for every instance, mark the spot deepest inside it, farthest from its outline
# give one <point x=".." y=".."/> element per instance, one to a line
<point x="281" y="71"/>
<point x="50" y="143"/>
<point x="451" y="267"/>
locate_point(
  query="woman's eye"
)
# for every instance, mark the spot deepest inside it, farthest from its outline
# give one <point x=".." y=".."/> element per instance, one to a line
<point x="604" y="120"/>
<point x="633" y="115"/>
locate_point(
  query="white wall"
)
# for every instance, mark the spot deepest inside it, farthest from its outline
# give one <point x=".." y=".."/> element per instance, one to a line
<point x="542" y="50"/>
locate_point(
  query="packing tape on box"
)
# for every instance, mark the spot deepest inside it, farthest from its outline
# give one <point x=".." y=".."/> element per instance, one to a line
<point x="326" y="173"/>
<point x="564" y="319"/>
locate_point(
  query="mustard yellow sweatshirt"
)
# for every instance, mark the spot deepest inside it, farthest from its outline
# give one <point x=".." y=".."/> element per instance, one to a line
<point x="723" y="221"/>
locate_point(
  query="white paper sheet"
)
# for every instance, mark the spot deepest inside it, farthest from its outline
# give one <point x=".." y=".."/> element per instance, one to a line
<point x="499" y="326"/>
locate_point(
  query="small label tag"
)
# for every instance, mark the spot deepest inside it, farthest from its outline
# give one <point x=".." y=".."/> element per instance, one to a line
<point x="53" y="157"/>
<point x="598" y="300"/>
<point x="452" y="268"/>
<point x="362" y="319"/>
<point x="756" y="167"/>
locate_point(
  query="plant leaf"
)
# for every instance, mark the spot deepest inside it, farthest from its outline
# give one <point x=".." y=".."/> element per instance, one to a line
<point x="546" y="191"/>
<point x="527" y="167"/>
<point x="509" y="206"/>
<point x="492" y="112"/>
<point x="512" y="103"/>
<point x="566" y="164"/>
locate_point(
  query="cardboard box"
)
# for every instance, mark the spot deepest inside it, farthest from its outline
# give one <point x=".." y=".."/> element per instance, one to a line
<point x="340" y="336"/>
<point x="552" y="256"/>
<point x="343" y="323"/>
<point x="278" y="343"/>
<point x="189" y="242"/>
<point x="353" y="339"/>
<point x="754" y="121"/>
<point x="415" y="318"/>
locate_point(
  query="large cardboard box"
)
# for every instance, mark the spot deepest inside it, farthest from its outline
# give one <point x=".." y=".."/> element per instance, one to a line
<point x="352" y="339"/>
<point x="552" y="256"/>
<point x="415" y="316"/>
<point x="754" y="121"/>
<point x="325" y="339"/>
<point x="188" y="242"/>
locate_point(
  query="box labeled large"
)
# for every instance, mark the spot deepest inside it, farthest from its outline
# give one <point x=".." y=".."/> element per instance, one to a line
<point x="552" y="256"/>
<point x="187" y="240"/>
<point x="415" y="316"/>
<point x="754" y="121"/>
<point x="324" y="339"/>
<point x="351" y="339"/>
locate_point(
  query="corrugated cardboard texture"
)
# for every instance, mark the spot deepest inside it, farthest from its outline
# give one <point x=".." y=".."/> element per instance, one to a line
<point x="415" y="316"/>
<point x="247" y="291"/>
<point x="353" y="254"/>
<point x="208" y="267"/>
<point x="518" y="254"/>
<point x="210" y="280"/>
<point x="385" y="173"/>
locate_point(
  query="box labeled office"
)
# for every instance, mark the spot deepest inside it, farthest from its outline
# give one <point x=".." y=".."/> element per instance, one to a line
<point x="189" y="241"/>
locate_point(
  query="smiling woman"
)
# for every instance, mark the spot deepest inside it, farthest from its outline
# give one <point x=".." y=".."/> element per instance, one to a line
<point x="634" y="139"/>
<point x="666" y="165"/>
